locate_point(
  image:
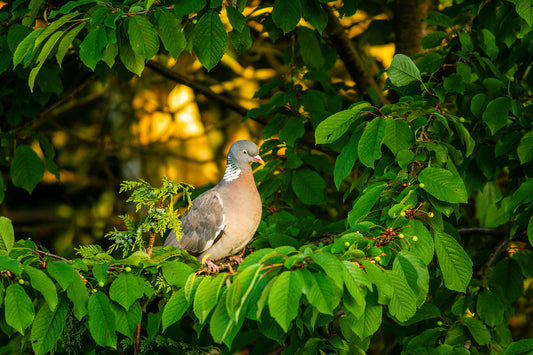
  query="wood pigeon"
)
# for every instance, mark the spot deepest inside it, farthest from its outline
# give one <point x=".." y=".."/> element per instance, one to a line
<point x="222" y="220"/>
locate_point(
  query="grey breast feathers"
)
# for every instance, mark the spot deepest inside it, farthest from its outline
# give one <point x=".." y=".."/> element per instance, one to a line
<point x="202" y="224"/>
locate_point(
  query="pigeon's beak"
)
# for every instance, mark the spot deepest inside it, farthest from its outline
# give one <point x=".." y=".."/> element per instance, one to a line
<point x="258" y="159"/>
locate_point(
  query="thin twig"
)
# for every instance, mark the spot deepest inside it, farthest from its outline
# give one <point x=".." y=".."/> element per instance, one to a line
<point x="43" y="116"/>
<point x="172" y="75"/>
<point x="486" y="267"/>
<point x="480" y="230"/>
<point x="42" y="252"/>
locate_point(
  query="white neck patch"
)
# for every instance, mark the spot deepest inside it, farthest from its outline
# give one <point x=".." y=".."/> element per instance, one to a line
<point x="232" y="171"/>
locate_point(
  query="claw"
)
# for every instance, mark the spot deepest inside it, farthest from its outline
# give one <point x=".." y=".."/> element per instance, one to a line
<point x="211" y="266"/>
<point x="237" y="258"/>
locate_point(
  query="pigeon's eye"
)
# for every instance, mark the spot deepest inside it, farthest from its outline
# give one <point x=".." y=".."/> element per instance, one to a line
<point x="245" y="152"/>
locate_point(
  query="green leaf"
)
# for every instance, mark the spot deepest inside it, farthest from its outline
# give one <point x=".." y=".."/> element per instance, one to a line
<point x="315" y="14"/>
<point x="77" y="293"/>
<point x="131" y="60"/>
<point x="48" y="327"/>
<point x="333" y="127"/>
<point x="465" y="137"/>
<point x="507" y="279"/>
<point x="284" y="298"/>
<point x="110" y="53"/>
<point x="174" y="309"/>
<point x="102" y="320"/>
<point x="444" y="185"/>
<point x="142" y="36"/>
<point x="455" y="264"/>
<point x="530" y="231"/>
<point x="125" y="290"/>
<point x="61" y="272"/>
<point x="369" y="146"/>
<point x="310" y="48"/>
<point x="519" y="347"/>
<point x="242" y="41"/>
<point x="331" y="266"/>
<point x="207" y="295"/>
<point x="525" y="149"/>
<point x="236" y="19"/>
<point x="433" y="39"/>
<point x="92" y="47"/>
<point x="7" y="235"/>
<point x="26" y="169"/>
<point x="9" y="264"/>
<point x="25" y="48"/>
<point x="224" y="328"/>
<point x="415" y="272"/>
<point x="380" y="279"/>
<point x="171" y="35"/>
<point x="524" y="8"/>
<point x="524" y="194"/>
<point x="497" y="112"/>
<point x="403" y="71"/>
<point x="490" y="308"/>
<point x="286" y="14"/>
<point x="454" y="83"/>
<point x="364" y="203"/>
<point x="15" y="35"/>
<point x="309" y="186"/>
<point x="209" y="39"/>
<point x="436" y="18"/>
<point x="240" y="291"/>
<point x="477" y="104"/>
<point x="402" y="305"/>
<point x="346" y="160"/>
<point x="371" y="319"/>
<point x="186" y="7"/>
<point x="43" y="284"/>
<point x="478" y="330"/>
<point x="45" y="52"/>
<point x="19" y="311"/>
<point x="398" y="135"/>
<point x="488" y="43"/>
<point x="424" y="246"/>
<point x="323" y="294"/>
<point x="66" y="41"/>
<point x="176" y="273"/>
<point x="126" y="321"/>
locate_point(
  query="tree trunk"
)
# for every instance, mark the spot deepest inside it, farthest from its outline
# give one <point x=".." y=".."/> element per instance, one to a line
<point x="410" y="27"/>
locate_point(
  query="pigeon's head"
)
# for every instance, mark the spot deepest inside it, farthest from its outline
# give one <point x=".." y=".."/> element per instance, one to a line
<point x="243" y="153"/>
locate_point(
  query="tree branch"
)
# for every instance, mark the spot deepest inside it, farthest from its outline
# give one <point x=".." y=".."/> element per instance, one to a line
<point x="43" y="114"/>
<point x="352" y="60"/>
<point x="172" y="75"/>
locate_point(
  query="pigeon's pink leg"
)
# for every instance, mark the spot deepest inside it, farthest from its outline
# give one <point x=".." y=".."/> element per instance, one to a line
<point x="211" y="266"/>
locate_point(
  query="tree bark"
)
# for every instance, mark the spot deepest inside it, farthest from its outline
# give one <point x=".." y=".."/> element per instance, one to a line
<point x="409" y="25"/>
<point x="353" y="62"/>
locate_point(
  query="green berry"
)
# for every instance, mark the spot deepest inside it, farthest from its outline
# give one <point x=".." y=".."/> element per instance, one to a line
<point x="422" y="185"/>
<point x="21" y="281"/>
<point x="439" y="323"/>
<point x="378" y="258"/>
<point x="346" y="244"/>
<point x="402" y="214"/>
<point x="401" y="236"/>
<point x="127" y="269"/>
<point x="431" y="214"/>
<point x="101" y="284"/>
<point x="415" y="238"/>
